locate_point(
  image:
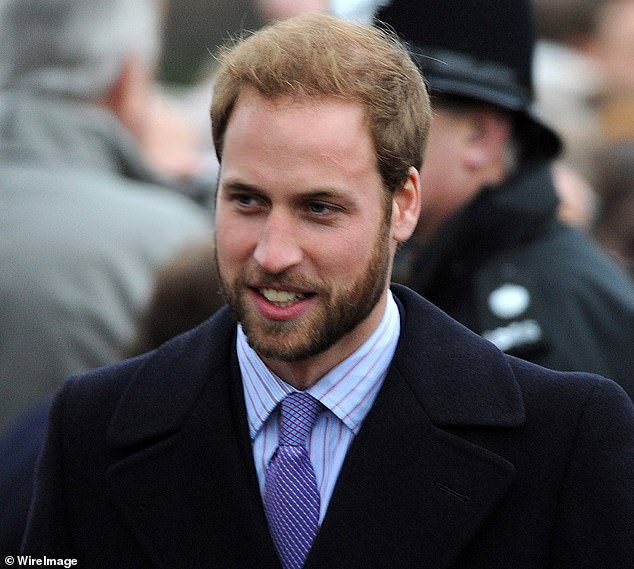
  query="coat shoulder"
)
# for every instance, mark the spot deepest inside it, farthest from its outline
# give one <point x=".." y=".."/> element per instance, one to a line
<point x="150" y="392"/>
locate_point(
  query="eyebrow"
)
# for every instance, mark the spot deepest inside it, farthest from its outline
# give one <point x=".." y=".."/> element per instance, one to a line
<point x="317" y="193"/>
<point x="236" y="185"/>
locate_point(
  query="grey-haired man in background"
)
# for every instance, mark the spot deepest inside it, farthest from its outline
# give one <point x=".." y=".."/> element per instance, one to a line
<point x="84" y="219"/>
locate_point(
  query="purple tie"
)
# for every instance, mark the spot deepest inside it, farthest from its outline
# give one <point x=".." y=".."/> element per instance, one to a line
<point x="291" y="496"/>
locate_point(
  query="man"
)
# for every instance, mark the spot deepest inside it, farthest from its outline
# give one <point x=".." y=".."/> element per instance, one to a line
<point x="585" y="76"/>
<point x="85" y="221"/>
<point x="609" y="44"/>
<point x="614" y="229"/>
<point x="490" y="249"/>
<point x="185" y="293"/>
<point x="340" y="424"/>
<point x="566" y="82"/>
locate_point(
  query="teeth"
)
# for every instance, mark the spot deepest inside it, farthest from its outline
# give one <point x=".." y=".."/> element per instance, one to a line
<point x="281" y="297"/>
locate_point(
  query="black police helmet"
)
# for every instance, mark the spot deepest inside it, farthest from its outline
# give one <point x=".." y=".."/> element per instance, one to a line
<point x="477" y="49"/>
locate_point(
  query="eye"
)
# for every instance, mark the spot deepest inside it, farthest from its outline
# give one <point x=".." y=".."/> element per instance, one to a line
<point x="247" y="201"/>
<point x="321" y="209"/>
<point x="244" y="200"/>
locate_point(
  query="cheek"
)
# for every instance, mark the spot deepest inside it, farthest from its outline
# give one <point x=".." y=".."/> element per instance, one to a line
<point x="437" y="160"/>
<point x="441" y="174"/>
<point x="347" y="253"/>
<point x="431" y="178"/>
<point x="231" y="246"/>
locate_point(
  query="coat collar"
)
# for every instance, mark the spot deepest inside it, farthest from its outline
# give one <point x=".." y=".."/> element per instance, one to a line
<point x="407" y="480"/>
<point x="65" y="133"/>
<point x="459" y="378"/>
<point x="182" y="472"/>
<point x="169" y="381"/>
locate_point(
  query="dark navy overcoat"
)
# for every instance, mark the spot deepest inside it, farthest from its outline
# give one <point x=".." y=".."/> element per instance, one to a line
<point x="468" y="459"/>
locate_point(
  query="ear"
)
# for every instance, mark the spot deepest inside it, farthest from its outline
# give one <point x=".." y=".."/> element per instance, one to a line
<point x="128" y="97"/>
<point x="489" y="131"/>
<point x="406" y="204"/>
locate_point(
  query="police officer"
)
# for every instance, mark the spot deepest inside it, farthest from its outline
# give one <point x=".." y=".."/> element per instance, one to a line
<point x="489" y="248"/>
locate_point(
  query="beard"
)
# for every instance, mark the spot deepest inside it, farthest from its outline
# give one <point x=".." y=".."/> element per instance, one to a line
<point x="338" y="308"/>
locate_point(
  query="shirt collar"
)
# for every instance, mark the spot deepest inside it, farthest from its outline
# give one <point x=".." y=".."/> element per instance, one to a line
<point x="348" y="390"/>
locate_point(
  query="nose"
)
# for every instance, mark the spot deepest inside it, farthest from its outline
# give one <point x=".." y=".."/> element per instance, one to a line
<point x="278" y="248"/>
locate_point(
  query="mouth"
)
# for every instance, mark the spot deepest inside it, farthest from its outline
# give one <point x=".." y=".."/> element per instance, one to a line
<point x="282" y="298"/>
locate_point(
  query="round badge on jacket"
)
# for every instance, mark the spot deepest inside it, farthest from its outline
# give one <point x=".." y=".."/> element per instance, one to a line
<point x="509" y="301"/>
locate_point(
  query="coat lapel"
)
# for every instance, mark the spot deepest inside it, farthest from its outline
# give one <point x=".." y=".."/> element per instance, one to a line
<point x="411" y="493"/>
<point x="184" y="478"/>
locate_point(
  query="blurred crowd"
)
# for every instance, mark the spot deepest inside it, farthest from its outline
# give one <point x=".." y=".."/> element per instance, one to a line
<point x="584" y="75"/>
<point x="107" y="178"/>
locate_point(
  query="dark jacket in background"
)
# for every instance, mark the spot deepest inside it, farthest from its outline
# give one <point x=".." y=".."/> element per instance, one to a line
<point x="468" y="459"/>
<point x="19" y="449"/>
<point x="508" y="269"/>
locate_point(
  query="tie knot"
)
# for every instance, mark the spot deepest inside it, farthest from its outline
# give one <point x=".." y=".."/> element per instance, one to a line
<point x="297" y="416"/>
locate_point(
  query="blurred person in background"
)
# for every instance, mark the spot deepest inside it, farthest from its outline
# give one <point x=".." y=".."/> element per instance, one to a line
<point x="610" y="45"/>
<point x="490" y="248"/>
<point x="578" y="200"/>
<point x="566" y="85"/>
<point x="566" y="80"/>
<point x="614" y="227"/>
<point x="20" y="446"/>
<point x="85" y="219"/>
<point x="585" y="74"/>
<point x="186" y="292"/>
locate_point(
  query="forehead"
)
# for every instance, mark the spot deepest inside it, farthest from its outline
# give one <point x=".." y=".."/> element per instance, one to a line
<point x="277" y="137"/>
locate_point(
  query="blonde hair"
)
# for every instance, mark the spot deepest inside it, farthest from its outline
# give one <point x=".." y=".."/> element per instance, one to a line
<point x="316" y="55"/>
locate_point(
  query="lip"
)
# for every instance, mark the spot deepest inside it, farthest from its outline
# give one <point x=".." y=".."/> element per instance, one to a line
<point x="268" y="310"/>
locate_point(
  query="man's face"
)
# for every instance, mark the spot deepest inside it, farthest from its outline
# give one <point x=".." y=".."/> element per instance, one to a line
<point x="465" y="153"/>
<point x="302" y="235"/>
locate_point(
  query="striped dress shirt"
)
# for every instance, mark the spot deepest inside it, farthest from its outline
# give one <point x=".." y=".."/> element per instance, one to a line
<point x="346" y="392"/>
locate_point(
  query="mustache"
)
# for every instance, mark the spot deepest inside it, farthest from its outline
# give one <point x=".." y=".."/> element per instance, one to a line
<point x="288" y="279"/>
<point x="285" y="279"/>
